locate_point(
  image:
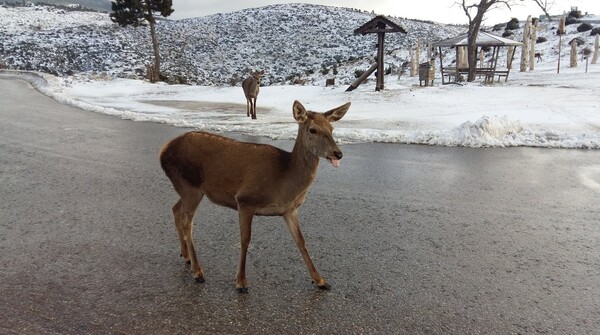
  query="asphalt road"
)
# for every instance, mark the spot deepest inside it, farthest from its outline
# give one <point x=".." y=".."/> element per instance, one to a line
<point x="413" y="239"/>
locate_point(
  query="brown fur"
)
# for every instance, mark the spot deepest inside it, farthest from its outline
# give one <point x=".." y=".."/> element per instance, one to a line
<point x="251" y="87"/>
<point x="254" y="179"/>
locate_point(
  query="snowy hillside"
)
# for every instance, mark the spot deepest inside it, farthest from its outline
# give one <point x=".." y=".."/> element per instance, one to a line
<point x="291" y="42"/>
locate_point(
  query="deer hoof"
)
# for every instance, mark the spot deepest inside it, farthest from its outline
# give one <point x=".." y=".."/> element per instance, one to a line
<point x="200" y="280"/>
<point x="242" y="290"/>
<point x="323" y="285"/>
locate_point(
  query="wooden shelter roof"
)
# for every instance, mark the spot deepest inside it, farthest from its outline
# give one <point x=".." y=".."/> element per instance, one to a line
<point x="379" y="24"/>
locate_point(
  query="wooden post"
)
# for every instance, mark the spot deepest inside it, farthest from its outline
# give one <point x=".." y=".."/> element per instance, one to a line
<point x="362" y="78"/>
<point x="379" y="25"/>
<point x="481" y="55"/>
<point x="596" y="47"/>
<point x="510" y="56"/>
<point x="573" y="62"/>
<point x="462" y="58"/>
<point x="429" y="52"/>
<point x="413" y="62"/>
<point x="525" y="48"/>
<point x="419" y="46"/>
<point x="561" y="31"/>
<point x="534" y="29"/>
<point x="380" y="73"/>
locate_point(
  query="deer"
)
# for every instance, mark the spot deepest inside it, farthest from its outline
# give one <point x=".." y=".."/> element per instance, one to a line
<point x="253" y="179"/>
<point x="251" y="86"/>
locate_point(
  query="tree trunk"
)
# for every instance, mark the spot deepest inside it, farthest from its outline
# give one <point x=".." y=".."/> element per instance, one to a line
<point x="155" y="75"/>
<point x="525" y="48"/>
<point x="596" y="47"/>
<point x="474" y="27"/>
<point x="532" y="42"/>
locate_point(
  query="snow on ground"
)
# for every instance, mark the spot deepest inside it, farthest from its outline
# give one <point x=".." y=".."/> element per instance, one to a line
<point x="538" y="108"/>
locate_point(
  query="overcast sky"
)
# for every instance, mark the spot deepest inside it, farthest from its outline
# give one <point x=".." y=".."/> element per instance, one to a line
<point x="445" y="11"/>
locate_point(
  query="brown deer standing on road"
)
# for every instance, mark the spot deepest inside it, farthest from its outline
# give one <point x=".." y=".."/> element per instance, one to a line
<point x="254" y="179"/>
<point x="251" y="86"/>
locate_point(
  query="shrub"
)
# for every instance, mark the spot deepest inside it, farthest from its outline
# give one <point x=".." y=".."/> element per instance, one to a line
<point x="507" y="33"/>
<point x="595" y="31"/>
<point x="577" y="40"/>
<point x="575" y="14"/>
<point x="499" y="26"/>
<point x="584" y="27"/>
<point x="571" y="20"/>
<point x="512" y="24"/>
<point x="541" y="39"/>
<point x="358" y="73"/>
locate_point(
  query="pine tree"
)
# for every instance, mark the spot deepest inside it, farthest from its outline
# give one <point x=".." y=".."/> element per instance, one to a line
<point x="139" y="13"/>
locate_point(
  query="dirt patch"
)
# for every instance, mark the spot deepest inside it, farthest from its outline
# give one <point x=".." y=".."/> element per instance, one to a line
<point x="205" y="106"/>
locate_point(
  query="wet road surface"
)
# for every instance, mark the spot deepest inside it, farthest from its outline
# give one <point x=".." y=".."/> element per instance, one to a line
<point x="413" y="239"/>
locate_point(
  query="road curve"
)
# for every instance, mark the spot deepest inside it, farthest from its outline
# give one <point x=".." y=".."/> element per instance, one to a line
<point x="413" y="239"/>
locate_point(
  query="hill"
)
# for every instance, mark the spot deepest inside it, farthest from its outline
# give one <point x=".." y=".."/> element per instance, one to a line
<point x="291" y="42"/>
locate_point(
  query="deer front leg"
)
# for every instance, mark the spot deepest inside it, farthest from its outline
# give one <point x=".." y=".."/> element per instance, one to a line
<point x="254" y="108"/>
<point x="291" y="219"/>
<point x="245" y="216"/>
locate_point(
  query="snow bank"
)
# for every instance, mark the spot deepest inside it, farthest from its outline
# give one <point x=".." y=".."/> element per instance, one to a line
<point x="522" y="113"/>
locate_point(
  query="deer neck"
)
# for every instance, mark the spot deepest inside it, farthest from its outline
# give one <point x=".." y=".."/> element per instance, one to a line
<point x="304" y="162"/>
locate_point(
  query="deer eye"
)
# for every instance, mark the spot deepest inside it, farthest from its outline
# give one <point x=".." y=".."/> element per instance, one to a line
<point x="312" y="130"/>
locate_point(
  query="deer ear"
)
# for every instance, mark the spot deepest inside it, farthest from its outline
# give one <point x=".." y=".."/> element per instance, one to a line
<point x="299" y="112"/>
<point x="337" y="113"/>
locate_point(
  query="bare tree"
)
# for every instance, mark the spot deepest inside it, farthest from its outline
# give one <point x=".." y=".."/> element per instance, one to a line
<point x="475" y="11"/>
<point x="545" y="6"/>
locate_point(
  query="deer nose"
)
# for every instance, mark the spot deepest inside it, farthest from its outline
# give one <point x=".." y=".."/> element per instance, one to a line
<point x="338" y="154"/>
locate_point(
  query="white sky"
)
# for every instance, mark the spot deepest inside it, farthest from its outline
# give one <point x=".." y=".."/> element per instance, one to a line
<point x="444" y="11"/>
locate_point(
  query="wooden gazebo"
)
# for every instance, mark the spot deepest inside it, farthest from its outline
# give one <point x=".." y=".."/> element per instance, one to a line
<point x="379" y="25"/>
<point x="488" y="70"/>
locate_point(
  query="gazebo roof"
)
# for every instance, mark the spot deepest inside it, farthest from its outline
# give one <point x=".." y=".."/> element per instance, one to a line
<point x="483" y="39"/>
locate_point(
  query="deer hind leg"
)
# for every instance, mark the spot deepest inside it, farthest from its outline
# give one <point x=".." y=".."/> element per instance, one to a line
<point x="184" y="211"/>
<point x="248" y="106"/>
<point x="254" y="108"/>
<point x="291" y="219"/>
<point x="245" y="216"/>
<point x="182" y="245"/>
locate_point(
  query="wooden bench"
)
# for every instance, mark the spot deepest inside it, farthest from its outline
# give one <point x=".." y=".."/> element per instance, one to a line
<point x="488" y="74"/>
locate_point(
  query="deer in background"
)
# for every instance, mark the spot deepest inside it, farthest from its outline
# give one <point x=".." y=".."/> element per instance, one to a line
<point x="254" y="179"/>
<point x="251" y="86"/>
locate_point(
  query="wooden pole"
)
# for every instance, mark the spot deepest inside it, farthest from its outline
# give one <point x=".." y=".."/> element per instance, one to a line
<point x="561" y="31"/>
<point x="362" y="78"/>
<point x="380" y="74"/>
<point x="441" y="64"/>
<point x="596" y="48"/>
<point x="573" y="62"/>
<point x="413" y="63"/>
<point x="532" y="42"/>
<point x="525" y="48"/>
<point x="510" y="56"/>
<point x="419" y="46"/>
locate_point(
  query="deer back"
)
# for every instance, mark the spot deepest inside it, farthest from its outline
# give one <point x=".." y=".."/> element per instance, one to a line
<point x="223" y="168"/>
